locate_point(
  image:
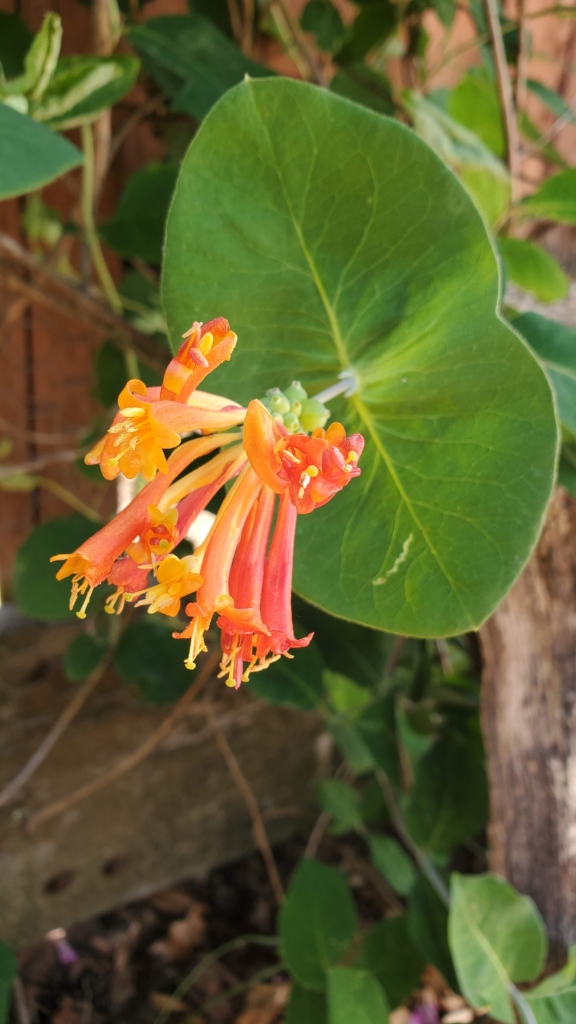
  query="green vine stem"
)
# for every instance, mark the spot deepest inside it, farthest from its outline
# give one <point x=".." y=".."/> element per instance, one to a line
<point x="90" y="231"/>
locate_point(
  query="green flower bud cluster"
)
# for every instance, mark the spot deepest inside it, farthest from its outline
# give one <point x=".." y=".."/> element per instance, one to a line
<point x="294" y="409"/>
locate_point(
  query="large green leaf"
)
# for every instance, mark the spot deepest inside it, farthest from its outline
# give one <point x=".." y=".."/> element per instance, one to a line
<point x="355" y="995"/>
<point x="555" y="199"/>
<point x="32" y="155"/>
<point x="555" y="344"/>
<point x="534" y="269"/>
<point x="497" y="937"/>
<point x="317" y="923"/>
<point x="333" y="239"/>
<point x="82" y="87"/>
<point x="191" y="60"/>
<point x="36" y="590"/>
<point x="389" y="952"/>
<point x="137" y="227"/>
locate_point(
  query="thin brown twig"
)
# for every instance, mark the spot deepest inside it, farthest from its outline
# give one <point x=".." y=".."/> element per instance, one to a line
<point x="57" y="730"/>
<point x="523" y="57"/>
<point x="247" y="27"/>
<point x="395" y="655"/>
<point x="79" y="302"/>
<point x="235" y="20"/>
<point x="133" y="759"/>
<point x="20" y="1004"/>
<point x="10" y="469"/>
<point x="39" y="436"/>
<point x="310" y="62"/>
<point x="258" y="829"/>
<point x="317" y="834"/>
<point x="505" y="91"/>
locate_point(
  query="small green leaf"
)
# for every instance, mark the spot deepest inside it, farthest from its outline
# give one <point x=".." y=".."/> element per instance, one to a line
<point x="321" y="18"/>
<point x="191" y="60"/>
<point x="555" y="199"/>
<point x="377" y="727"/>
<point x="37" y="592"/>
<point x="555" y="345"/>
<point x="496" y="937"/>
<point x="492" y="195"/>
<point x="359" y="653"/>
<point x="393" y="862"/>
<point x="342" y="803"/>
<point x="567" y="468"/>
<point x="149" y="657"/>
<point x="110" y="369"/>
<point x="343" y="694"/>
<point x="427" y="921"/>
<point x="40" y="60"/>
<point x="362" y="84"/>
<point x="389" y="952"/>
<point x="445" y="9"/>
<point x="317" y="923"/>
<point x="32" y="155"/>
<point x="554" y="1000"/>
<point x="533" y="269"/>
<point x="294" y="683"/>
<point x="137" y="227"/>
<point x="552" y="99"/>
<point x="82" y="87"/>
<point x="371" y="26"/>
<point x="351" y="745"/>
<point x="15" y="41"/>
<point x="457" y="145"/>
<point x="475" y="104"/>
<point x="306" y="1006"/>
<point x="83" y="654"/>
<point x="355" y="995"/>
<point x="8" y="971"/>
<point x="448" y="803"/>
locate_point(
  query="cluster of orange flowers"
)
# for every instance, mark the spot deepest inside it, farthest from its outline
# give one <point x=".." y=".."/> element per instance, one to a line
<point x="238" y="573"/>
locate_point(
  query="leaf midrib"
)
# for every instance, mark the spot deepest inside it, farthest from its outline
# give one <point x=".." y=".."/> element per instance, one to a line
<point x="342" y="354"/>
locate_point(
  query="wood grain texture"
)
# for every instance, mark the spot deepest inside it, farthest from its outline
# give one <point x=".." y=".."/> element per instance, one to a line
<point x="529" y="725"/>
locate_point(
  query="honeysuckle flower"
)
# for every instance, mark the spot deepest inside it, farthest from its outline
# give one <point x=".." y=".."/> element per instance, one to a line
<point x="176" y="579"/>
<point x="157" y="537"/>
<point x="145" y="425"/>
<point x="213" y="559"/>
<point x="205" y="347"/>
<point x="242" y="572"/>
<point x="92" y="562"/>
<point x="312" y="468"/>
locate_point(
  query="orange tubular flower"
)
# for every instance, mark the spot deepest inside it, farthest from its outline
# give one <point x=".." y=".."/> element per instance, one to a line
<point x="92" y="562"/>
<point x="142" y="428"/>
<point x="312" y="468"/>
<point x="205" y="347"/>
<point x="277" y="589"/>
<point x="242" y="572"/>
<point x="214" y="560"/>
<point x="176" y="579"/>
<point x="241" y="625"/>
